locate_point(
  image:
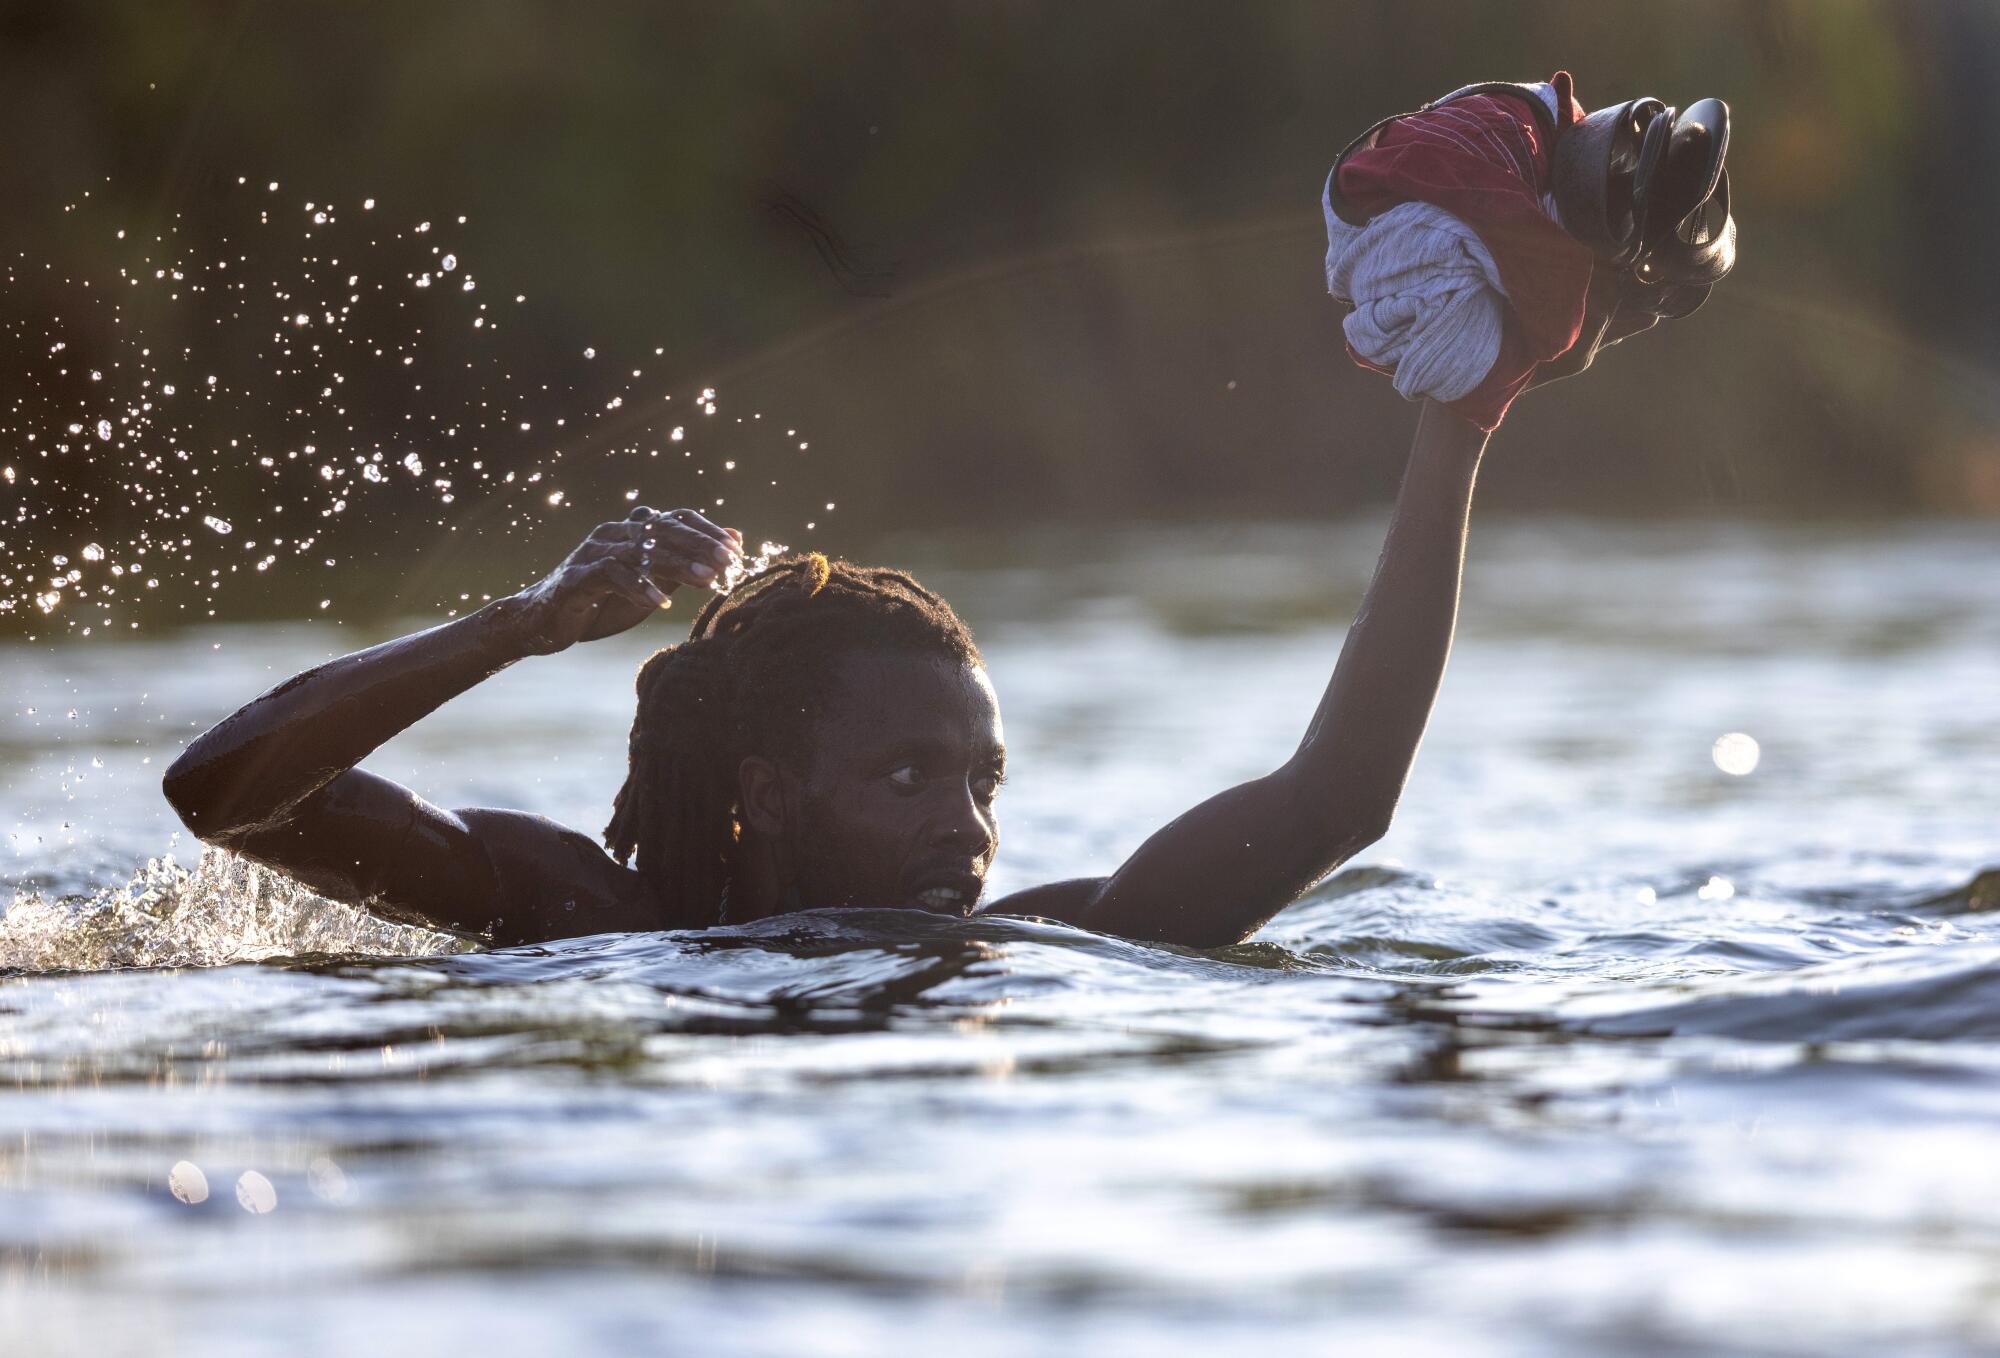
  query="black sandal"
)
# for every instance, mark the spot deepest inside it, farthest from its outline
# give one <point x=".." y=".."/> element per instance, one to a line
<point x="1645" y="187"/>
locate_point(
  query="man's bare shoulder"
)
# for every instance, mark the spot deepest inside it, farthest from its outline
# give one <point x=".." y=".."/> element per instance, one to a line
<point x="555" y="882"/>
<point x="1065" y="901"/>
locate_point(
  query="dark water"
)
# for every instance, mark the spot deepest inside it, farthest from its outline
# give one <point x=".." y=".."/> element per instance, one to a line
<point x="1603" y="1051"/>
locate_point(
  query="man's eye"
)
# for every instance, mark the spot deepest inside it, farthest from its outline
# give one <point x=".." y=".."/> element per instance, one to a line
<point x="907" y="776"/>
<point x="988" y="787"/>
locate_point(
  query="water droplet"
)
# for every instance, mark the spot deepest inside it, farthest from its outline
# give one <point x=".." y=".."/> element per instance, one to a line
<point x="186" y="1182"/>
<point x="1736" y="754"/>
<point x="219" y="525"/>
<point x="326" y="1179"/>
<point x="104" y="430"/>
<point x="255" y="1194"/>
<point x="448" y="263"/>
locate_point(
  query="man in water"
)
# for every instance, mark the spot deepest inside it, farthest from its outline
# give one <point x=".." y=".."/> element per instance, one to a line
<point x="826" y="736"/>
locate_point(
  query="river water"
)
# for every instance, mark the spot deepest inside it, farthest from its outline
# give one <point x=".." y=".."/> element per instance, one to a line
<point x="1604" y="1050"/>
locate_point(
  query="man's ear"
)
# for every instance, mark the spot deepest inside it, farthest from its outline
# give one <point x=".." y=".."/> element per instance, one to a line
<point x="761" y="784"/>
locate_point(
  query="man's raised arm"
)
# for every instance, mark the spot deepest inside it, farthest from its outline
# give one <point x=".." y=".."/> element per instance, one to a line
<point x="1214" y="875"/>
<point x="276" y="782"/>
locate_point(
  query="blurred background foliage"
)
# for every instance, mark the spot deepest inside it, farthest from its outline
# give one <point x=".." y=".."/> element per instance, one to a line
<point x="1014" y="261"/>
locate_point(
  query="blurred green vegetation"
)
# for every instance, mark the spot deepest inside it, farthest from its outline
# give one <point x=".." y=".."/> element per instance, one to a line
<point x="1062" y="261"/>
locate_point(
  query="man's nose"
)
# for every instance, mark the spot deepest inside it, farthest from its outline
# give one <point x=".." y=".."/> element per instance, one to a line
<point x="964" y="824"/>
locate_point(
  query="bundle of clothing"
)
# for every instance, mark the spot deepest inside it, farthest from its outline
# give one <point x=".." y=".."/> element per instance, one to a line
<point x="1442" y="235"/>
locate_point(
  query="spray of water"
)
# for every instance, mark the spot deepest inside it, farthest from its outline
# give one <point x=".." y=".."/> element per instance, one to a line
<point x="226" y="909"/>
<point x="252" y="408"/>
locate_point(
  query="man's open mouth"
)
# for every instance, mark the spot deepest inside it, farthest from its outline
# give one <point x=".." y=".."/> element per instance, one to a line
<point x="952" y="893"/>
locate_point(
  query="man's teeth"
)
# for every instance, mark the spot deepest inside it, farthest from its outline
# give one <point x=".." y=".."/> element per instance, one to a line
<point x="941" y="895"/>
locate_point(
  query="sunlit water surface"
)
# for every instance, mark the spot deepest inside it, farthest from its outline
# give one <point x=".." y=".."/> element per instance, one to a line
<point x="1604" y="1050"/>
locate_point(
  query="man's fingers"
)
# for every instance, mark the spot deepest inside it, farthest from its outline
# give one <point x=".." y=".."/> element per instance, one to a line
<point x="609" y="575"/>
<point x="670" y="562"/>
<point x="665" y="552"/>
<point x="686" y="518"/>
<point x="664" y="543"/>
<point x="688" y="532"/>
<point x="695" y="521"/>
<point x="671" y="550"/>
<point x="635" y="586"/>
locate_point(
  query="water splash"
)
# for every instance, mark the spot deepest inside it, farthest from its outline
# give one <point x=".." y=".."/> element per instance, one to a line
<point x="225" y="409"/>
<point x="226" y="909"/>
<point x="749" y="565"/>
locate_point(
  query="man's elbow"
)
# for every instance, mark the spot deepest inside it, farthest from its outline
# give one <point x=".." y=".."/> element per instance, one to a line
<point x="1368" y="826"/>
<point x="1333" y="835"/>
<point x="193" y="798"/>
<point x="178" y="786"/>
<point x="1342" y="823"/>
<point x="1338" y="813"/>
<point x="1336" y="846"/>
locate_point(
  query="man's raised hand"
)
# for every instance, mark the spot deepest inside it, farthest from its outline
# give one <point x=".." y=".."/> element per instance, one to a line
<point x="621" y="574"/>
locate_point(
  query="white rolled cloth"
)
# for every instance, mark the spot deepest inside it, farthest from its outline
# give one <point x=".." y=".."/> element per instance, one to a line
<point x="1426" y="294"/>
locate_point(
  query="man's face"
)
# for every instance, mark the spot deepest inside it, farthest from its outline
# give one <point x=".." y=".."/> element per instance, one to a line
<point x="896" y="806"/>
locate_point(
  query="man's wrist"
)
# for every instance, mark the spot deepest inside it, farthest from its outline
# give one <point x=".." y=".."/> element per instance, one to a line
<point x="507" y="632"/>
<point x="1450" y="433"/>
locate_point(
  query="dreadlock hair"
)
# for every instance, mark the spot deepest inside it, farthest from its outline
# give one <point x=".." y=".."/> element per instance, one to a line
<point x="751" y="679"/>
